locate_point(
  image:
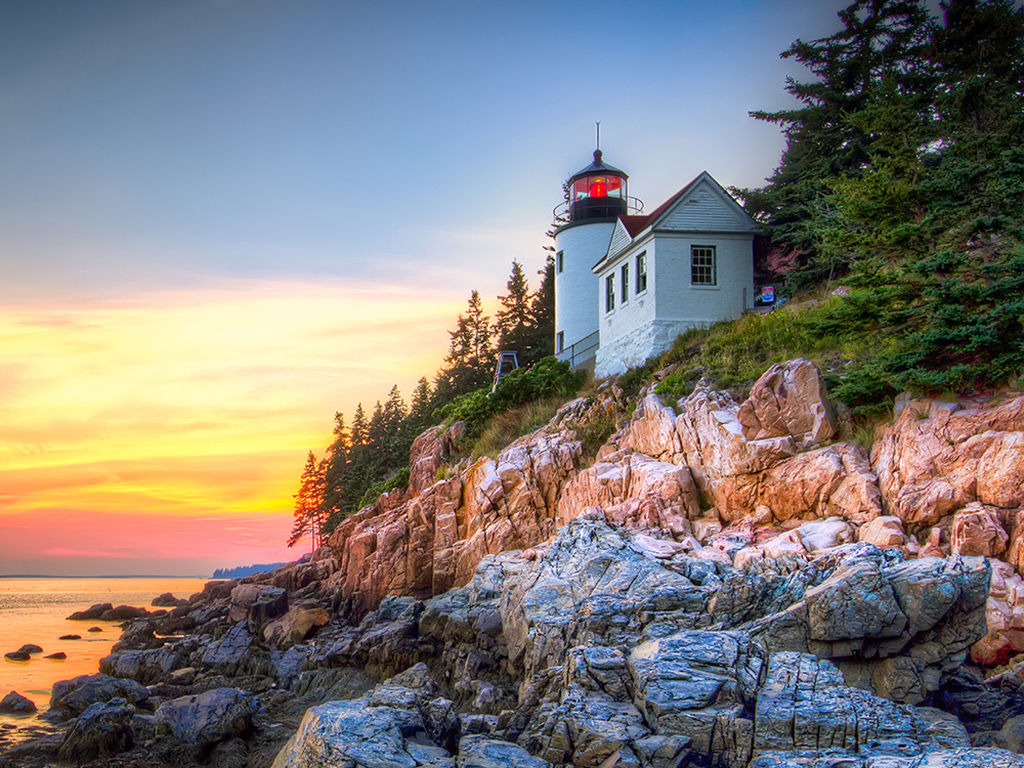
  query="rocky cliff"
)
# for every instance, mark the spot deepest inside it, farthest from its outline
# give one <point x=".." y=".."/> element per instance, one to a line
<point x="725" y="584"/>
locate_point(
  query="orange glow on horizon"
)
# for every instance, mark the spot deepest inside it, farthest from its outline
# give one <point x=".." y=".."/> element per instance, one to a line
<point x="182" y="415"/>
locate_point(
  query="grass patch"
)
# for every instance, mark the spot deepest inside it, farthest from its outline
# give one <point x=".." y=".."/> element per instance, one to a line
<point x="594" y="432"/>
<point x="734" y="354"/>
<point x="505" y="427"/>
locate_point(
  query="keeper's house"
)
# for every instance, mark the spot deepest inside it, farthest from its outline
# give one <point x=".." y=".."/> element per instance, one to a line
<point x="626" y="284"/>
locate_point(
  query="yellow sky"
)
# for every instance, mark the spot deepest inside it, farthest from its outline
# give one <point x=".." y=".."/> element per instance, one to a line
<point x="185" y="416"/>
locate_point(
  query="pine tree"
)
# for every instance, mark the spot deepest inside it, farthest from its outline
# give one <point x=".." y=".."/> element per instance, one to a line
<point x="482" y="347"/>
<point x="469" y="363"/>
<point x="397" y="438"/>
<point x="359" y="427"/>
<point x="880" y="50"/>
<point x="422" y="404"/>
<point x="513" y="322"/>
<point x="977" y="184"/>
<point x="335" y="475"/>
<point x="542" y="315"/>
<point x="308" y="513"/>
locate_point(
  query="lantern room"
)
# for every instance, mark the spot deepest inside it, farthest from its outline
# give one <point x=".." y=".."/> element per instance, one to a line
<point x="597" y="191"/>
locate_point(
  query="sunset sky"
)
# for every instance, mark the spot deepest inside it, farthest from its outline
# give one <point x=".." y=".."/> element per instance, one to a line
<point x="221" y="221"/>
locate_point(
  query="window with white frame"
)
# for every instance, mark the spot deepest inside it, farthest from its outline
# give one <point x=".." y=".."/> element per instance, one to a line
<point x="560" y="341"/>
<point x="559" y="260"/>
<point x="624" y="283"/>
<point x="609" y="293"/>
<point x="641" y="272"/>
<point x="702" y="265"/>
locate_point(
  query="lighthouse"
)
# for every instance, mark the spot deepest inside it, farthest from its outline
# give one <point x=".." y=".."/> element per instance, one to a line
<point x="597" y="197"/>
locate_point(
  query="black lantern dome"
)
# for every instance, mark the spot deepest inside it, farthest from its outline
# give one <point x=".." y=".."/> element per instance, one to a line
<point x="597" y="191"/>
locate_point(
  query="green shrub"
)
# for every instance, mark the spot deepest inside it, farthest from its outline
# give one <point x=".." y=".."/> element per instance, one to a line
<point x="595" y="431"/>
<point x="398" y="480"/>
<point x="548" y="378"/>
<point x="633" y="380"/>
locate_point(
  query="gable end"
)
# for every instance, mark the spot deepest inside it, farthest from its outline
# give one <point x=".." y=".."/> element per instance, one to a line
<point x="705" y="207"/>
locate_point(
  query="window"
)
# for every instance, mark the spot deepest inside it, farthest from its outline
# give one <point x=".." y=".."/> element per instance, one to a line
<point x="641" y="272"/>
<point x="625" y="282"/>
<point x="702" y="265"/>
<point x="560" y="341"/>
<point x="609" y="293"/>
<point x="558" y="259"/>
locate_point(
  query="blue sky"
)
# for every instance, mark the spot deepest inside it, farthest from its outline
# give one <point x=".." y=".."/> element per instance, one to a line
<point x="167" y="143"/>
<point x="223" y="220"/>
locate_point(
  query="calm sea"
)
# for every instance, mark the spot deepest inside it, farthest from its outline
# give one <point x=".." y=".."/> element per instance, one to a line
<point x="33" y="610"/>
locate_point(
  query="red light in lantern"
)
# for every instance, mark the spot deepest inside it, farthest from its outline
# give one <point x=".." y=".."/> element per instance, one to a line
<point x="597" y="189"/>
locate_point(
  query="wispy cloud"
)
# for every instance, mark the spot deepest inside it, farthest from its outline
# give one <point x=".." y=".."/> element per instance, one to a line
<point x="192" y="405"/>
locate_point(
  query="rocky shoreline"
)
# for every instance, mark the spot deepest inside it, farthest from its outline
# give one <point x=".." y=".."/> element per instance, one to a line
<point x="728" y="585"/>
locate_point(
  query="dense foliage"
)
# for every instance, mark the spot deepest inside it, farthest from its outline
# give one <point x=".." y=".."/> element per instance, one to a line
<point x="903" y="175"/>
<point x="547" y="378"/>
<point x="370" y="456"/>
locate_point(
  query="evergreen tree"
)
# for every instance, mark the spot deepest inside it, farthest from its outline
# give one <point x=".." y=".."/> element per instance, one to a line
<point x="880" y="51"/>
<point x="422" y="405"/>
<point x="335" y="474"/>
<point x="308" y="513"/>
<point x="977" y="182"/>
<point x="359" y="427"/>
<point x="513" y="322"/>
<point x="397" y="438"/>
<point x="542" y="315"/>
<point x="470" y="360"/>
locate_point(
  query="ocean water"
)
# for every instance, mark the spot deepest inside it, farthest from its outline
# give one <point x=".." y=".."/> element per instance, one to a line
<point x="33" y="610"/>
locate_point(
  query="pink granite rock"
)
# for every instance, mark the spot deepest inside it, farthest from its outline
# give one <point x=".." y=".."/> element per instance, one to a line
<point x="978" y="530"/>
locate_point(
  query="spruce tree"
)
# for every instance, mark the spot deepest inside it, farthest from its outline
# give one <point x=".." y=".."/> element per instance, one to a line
<point x="542" y="315"/>
<point x="880" y="50"/>
<point x="335" y="474"/>
<point x="308" y="514"/>
<point x="470" y="359"/>
<point x="513" y="322"/>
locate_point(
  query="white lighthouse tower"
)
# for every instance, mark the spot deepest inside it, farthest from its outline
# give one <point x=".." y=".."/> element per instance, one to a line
<point x="585" y="222"/>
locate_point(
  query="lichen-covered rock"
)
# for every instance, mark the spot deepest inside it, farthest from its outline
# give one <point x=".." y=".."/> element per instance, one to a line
<point x="789" y="400"/>
<point x="978" y="530"/>
<point x="16" y="704"/>
<point x="257" y="604"/>
<point x="937" y="457"/>
<point x="102" y="730"/>
<point x="228" y="654"/>
<point x="74" y="696"/>
<point x="351" y="733"/>
<point x="295" y="625"/>
<point x="203" y="720"/>
<point x="148" y="666"/>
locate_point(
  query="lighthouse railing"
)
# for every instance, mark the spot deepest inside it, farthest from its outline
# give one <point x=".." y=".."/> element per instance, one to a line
<point x="580" y="352"/>
<point x="560" y="213"/>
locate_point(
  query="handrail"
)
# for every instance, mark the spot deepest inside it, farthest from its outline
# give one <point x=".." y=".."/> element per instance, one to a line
<point x="581" y="351"/>
<point x="560" y="213"/>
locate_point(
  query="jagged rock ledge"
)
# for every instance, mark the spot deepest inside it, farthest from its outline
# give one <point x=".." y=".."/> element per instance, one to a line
<point x="728" y="584"/>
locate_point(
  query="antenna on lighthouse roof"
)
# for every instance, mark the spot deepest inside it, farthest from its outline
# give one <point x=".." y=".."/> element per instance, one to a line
<point x="598" y="124"/>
